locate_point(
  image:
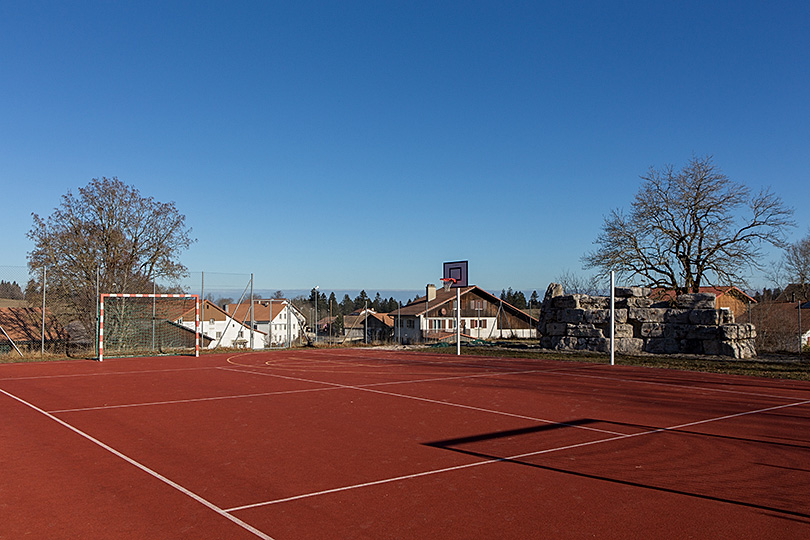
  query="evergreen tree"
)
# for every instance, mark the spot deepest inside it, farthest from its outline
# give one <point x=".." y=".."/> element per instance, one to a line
<point x="346" y="305"/>
<point x="10" y="290"/>
<point x="360" y="301"/>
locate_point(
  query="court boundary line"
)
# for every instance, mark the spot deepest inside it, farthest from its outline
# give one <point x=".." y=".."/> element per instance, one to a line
<point x="327" y="386"/>
<point x="574" y="373"/>
<point x="580" y="370"/>
<point x="105" y="374"/>
<point x="424" y="399"/>
<point x="189" y="400"/>
<point x="144" y="468"/>
<point x="508" y="458"/>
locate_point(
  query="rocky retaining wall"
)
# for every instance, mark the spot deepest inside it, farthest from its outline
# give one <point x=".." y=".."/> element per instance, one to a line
<point x="692" y="325"/>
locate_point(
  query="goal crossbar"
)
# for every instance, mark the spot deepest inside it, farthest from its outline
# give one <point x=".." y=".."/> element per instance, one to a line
<point x="136" y="326"/>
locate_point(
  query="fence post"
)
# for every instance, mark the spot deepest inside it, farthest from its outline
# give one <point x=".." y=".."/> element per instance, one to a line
<point x="42" y="330"/>
<point x="98" y="298"/>
<point x="612" y="317"/>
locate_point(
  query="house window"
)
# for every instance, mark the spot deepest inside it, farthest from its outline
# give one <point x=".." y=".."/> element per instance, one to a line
<point x="219" y="335"/>
<point x="211" y="322"/>
<point x="409" y="323"/>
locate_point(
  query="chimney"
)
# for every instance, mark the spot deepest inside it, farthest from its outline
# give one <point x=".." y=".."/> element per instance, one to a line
<point x="431" y="292"/>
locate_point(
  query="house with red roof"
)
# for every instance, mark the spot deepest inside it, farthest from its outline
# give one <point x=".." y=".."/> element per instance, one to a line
<point x="731" y="298"/>
<point x="279" y="321"/>
<point x="22" y="326"/>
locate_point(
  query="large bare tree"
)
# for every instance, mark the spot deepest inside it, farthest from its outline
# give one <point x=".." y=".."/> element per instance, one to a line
<point x="796" y="266"/>
<point x="131" y="240"/>
<point x="690" y="227"/>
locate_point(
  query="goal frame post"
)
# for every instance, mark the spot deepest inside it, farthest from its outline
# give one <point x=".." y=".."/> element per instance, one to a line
<point x="104" y="296"/>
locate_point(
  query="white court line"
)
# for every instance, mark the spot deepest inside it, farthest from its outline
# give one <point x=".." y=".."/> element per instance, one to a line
<point x="689" y="386"/>
<point x="327" y="386"/>
<point x="106" y="373"/>
<point x="578" y="372"/>
<point x="441" y="361"/>
<point x="428" y="400"/>
<point x="144" y="468"/>
<point x="190" y="400"/>
<point x="510" y="458"/>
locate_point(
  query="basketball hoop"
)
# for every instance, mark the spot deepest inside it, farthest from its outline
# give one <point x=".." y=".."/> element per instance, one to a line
<point x="448" y="282"/>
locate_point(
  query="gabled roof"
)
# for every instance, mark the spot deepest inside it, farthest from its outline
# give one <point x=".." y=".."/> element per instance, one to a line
<point x="419" y="306"/>
<point x="263" y="310"/>
<point x="350" y="321"/>
<point x="25" y="324"/>
<point x="210" y="306"/>
<point x="794" y="292"/>
<point x="669" y="294"/>
<point x="206" y="308"/>
<point x="784" y="313"/>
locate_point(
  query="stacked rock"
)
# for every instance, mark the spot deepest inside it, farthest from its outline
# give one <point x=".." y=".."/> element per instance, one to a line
<point x="691" y="324"/>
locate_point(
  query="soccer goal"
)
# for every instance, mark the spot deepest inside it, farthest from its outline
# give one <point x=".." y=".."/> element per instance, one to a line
<point x="148" y="325"/>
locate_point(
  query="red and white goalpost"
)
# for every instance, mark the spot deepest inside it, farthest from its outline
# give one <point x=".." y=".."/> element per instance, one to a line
<point x="148" y="325"/>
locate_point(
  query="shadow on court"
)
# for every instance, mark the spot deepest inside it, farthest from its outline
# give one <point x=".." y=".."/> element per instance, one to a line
<point x="455" y="444"/>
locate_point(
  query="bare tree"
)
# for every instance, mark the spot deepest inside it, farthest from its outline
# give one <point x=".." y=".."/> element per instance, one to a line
<point x="577" y="284"/>
<point x="131" y="240"/>
<point x="796" y="265"/>
<point x="690" y="227"/>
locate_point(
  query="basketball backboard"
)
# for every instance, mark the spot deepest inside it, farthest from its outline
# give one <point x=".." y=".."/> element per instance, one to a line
<point x="456" y="270"/>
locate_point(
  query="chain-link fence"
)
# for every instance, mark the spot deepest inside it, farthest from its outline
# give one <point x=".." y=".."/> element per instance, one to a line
<point x="45" y="312"/>
<point x="782" y="327"/>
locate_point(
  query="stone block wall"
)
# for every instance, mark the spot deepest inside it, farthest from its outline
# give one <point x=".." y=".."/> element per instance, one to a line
<point x="692" y="325"/>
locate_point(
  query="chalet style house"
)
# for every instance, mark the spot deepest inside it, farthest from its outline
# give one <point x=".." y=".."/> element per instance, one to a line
<point x="483" y="316"/>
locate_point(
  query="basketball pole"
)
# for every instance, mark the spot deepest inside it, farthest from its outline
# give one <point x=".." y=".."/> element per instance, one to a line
<point x="458" y="321"/>
<point x="612" y="318"/>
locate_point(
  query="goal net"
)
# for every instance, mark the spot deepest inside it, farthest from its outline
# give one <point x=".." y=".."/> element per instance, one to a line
<point x="148" y="325"/>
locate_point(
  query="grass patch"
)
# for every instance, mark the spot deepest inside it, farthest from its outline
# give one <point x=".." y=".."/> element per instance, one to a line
<point x="770" y="366"/>
<point x="774" y="367"/>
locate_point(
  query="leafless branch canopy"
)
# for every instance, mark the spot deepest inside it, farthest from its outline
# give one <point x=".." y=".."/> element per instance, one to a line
<point x="797" y="261"/>
<point x="132" y="240"/>
<point x="690" y="228"/>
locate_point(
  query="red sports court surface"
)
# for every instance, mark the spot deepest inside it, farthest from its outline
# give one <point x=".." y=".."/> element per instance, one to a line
<point x="339" y="444"/>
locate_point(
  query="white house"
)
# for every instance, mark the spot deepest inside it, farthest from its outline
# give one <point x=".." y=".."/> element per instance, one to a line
<point x="222" y="329"/>
<point x="280" y="322"/>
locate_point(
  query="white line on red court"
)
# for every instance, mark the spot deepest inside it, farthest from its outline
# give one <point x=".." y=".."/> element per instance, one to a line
<point x="509" y="458"/>
<point x="145" y="469"/>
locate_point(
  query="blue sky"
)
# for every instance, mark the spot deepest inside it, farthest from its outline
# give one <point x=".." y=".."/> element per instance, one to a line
<point x="361" y="144"/>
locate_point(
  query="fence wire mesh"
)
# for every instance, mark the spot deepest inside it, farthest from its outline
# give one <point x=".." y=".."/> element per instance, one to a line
<point x="43" y="312"/>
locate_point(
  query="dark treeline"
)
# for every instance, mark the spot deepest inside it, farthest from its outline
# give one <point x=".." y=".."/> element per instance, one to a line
<point x="347" y="305"/>
<point x="518" y="299"/>
<point x="10" y="289"/>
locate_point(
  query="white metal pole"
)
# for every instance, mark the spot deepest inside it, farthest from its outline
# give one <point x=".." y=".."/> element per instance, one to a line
<point x="252" y="318"/>
<point x="154" y="313"/>
<point x="202" y="302"/>
<point x="44" y="285"/>
<point x="458" y="321"/>
<point x="612" y="318"/>
<point x="101" y="328"/>
<point x="98" y="297"/>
